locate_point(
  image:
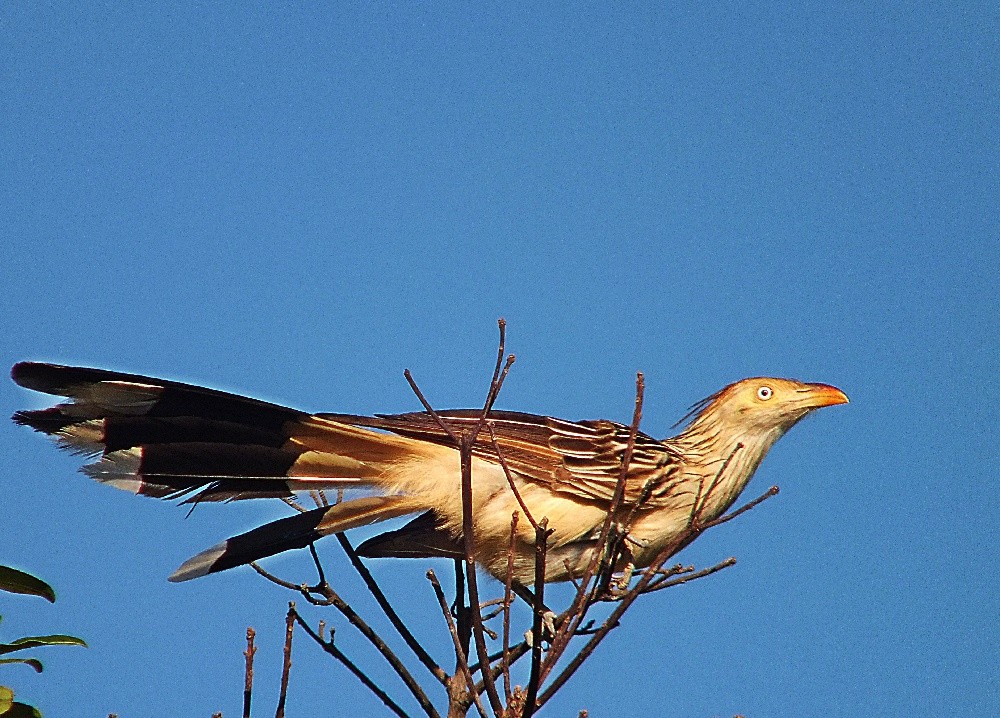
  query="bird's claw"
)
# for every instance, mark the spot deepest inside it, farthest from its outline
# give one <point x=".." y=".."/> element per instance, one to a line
<point x="548" y="629"/>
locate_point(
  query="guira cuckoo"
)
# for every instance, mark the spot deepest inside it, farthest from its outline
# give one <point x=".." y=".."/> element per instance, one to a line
<point x="175" y="441"/>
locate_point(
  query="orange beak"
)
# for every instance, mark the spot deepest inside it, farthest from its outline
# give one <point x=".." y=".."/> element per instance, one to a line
<point x="826" y="395"/>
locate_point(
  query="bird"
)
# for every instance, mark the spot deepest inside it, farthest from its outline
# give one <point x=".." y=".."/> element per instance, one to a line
<point x="175" y="441"/>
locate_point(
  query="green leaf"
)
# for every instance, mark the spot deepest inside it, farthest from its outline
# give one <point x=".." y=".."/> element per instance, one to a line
<point x="20" y="582"/>
<point x="33" y="662"/>
<point x="35" y="641"/>
<point x="22" y="710"/>
<point x="6" y="699"/>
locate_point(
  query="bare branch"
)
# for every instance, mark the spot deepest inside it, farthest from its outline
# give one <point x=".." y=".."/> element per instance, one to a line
<point x="510" y="477"/>
<point x="667" y="583"/>
<point x="499" y="375"/>
<point x="508" y="597"/>
<point x="694" y="522"/>
<point x="336" y="653"/>
<point x="465" y="442"/>
<point x="390" y="612"/>
<point x="466" y="446"/>
<point x="462" y="616"/>
<point x="286" y="666"/>
<point x="773" y="491"/>
<point x="332" y="598"/>
<point x="460" y="655"/>
<point x="468" y="537"/>
<point x="538" y="614"/>
<point x="429" y="409"/>
<point x="248" y="672"/>
<point x="308" y="592"/>
<point x="577" y="611"/>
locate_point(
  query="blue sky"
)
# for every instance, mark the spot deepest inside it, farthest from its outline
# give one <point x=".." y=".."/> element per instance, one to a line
<point x="297" y="203"/>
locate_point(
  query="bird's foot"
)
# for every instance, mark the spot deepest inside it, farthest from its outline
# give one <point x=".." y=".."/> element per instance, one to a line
<point x="548" y="631"/>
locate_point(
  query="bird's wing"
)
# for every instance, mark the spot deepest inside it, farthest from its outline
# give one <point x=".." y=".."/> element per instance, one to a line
<point x="581" y="458"/>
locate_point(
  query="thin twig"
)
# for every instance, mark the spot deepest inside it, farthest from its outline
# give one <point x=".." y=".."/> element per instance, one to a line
<point x="575" y="614"/>
<point x="696" y="510"/>
<point x="498" y="374"/>
<point x="332" y="598"/>
<point x="508" y="598"/>
<point x="279" y="581"/>
<point x="667" y="583"/>
<point x="538" y="611"/>
<point x="430" y="410"/>
<point x="248" y="672"/>
<point x="696" y="530"/>
<point x="286" y="667"/>
<point x="773" y="491"/>
<point x="472" y="582"/>
<point x="510" y="477"/>
<point x="390" y="612"/>
<point x="462" y="617"/>
<point x="462" y="659"/>
<point x="465" y="443"/>
<point x="466" y="446"/>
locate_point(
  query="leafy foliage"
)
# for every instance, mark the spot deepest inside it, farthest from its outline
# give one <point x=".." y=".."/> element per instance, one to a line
<point x="14" y="581"/>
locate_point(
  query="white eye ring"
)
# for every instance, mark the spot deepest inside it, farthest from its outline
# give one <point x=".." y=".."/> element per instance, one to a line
<point x="765" y="393"/>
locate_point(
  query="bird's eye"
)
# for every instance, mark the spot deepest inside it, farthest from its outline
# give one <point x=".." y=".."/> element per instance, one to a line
<point x="765" y="393"/>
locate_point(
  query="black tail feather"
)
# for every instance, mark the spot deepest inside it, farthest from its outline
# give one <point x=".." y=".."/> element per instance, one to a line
<point x="164" y="398"/>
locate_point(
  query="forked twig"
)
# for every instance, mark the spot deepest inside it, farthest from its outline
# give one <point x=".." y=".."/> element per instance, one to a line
<point x="510" y="477"/>
<point x="465" y="443"/>
<point x="667" y="583"/>
<point x="389" y="611"/>
<point x="332" y="598"/>
<point x="339" y="655"/>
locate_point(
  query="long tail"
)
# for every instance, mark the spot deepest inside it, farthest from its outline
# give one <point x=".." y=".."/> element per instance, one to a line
<point x="170" y="440"/>
<point x="175" y="441"/>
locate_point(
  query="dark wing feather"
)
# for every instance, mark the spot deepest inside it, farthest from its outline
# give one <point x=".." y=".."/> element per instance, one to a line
<point x="422" y="537"/>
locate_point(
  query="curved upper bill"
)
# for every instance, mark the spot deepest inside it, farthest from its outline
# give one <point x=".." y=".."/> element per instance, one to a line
<point x="825" y="395"/>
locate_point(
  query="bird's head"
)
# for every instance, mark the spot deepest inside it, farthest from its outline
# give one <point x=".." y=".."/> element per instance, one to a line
<point x="761" y="406"/>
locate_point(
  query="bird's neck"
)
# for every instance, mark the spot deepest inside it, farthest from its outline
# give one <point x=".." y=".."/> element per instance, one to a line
<point x="722" y="457"/>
